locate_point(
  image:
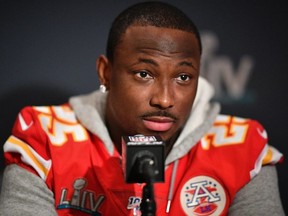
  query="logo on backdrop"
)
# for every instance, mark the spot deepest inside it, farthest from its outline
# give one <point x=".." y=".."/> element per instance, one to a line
<point x="203" y="195"/>
<point x="229" y="78"/>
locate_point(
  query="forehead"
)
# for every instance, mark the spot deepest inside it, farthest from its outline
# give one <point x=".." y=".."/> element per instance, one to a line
<point x="165" y="40"/>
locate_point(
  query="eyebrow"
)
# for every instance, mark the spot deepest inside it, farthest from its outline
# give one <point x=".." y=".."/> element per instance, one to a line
<point x="151" y="61"/>
<point x="186" y="63"/>
<point x="148" y="61"/>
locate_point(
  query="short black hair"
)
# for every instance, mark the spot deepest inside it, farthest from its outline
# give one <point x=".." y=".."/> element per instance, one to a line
<point x="156" y="14"/>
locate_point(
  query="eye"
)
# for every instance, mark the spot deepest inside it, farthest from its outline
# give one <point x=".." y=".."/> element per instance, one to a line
<point x="143" y="75"/>
<point x="183" y="78"/>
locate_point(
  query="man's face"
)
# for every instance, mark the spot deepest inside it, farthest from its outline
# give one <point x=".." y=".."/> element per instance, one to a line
<point x="152" y="82"/>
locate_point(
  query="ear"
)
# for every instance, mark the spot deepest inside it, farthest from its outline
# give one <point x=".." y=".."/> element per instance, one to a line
<point x="104" y="70"/>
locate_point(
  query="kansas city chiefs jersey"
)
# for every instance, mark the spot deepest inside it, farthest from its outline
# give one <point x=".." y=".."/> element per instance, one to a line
<point x="87" y="180"/>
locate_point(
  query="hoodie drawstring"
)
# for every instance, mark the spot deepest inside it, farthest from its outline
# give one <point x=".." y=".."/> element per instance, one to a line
<point x="171" y="188"/>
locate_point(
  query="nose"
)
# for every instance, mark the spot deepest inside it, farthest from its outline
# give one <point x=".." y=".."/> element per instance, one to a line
<point x="162" y="95"/>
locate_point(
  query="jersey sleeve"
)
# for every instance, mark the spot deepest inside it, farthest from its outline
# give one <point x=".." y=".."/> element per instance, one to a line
<point x="28" y="146"/>
<point x="240" y="144"/>
<point x="268" y="155"/>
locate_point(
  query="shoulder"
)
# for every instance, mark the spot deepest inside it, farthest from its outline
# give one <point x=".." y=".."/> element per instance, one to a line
<point x="60" y="112"/>
<point x="37" y="131"/>
<point x="230" y="130"/>
<point x="52" y="122"/>
<point x="241" y="141"/>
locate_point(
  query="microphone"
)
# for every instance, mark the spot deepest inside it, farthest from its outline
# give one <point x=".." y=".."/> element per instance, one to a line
<point x="143" y="162"/>
<point x="143" y="158"/>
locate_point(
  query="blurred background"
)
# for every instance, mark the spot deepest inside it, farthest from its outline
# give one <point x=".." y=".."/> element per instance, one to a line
<point x="48" y="51"/>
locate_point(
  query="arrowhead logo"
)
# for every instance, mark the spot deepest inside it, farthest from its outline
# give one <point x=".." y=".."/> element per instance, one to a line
<point x="23" y="124"/>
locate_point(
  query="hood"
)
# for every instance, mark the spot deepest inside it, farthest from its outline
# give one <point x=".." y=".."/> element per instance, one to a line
<point x="89" y="110"/>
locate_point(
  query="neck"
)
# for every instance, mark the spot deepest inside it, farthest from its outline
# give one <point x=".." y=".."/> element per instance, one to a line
<point x="115" y="136"/>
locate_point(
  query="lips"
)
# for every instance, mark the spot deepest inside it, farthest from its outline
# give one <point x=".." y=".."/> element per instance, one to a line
<point x="158" y="124"/>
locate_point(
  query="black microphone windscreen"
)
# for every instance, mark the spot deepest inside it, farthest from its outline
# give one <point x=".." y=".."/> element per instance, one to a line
<point x="141" y="151"/>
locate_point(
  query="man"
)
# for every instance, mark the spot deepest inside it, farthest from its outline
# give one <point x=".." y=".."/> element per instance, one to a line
<point x="66" y="160"/>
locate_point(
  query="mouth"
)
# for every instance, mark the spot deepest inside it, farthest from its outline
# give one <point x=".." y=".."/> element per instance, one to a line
<point x="158" y="123"/>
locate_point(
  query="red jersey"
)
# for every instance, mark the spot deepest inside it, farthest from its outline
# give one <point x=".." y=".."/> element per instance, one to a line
<point x="87" y="180"/>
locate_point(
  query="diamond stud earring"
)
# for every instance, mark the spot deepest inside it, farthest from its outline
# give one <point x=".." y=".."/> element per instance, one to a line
<point x="102" y="88"/>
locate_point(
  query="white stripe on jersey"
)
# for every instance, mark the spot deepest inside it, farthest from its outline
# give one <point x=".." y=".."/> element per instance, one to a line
<point x="28" y="156"/>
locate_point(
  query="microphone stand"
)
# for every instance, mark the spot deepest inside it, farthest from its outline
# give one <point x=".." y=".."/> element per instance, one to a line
<point x="147" y="169"/>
